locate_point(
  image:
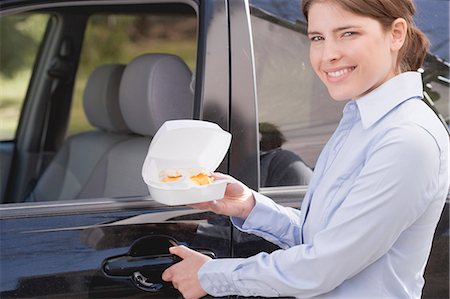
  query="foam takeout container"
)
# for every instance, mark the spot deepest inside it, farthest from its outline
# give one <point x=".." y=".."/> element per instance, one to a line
<point x="185" y="144"/>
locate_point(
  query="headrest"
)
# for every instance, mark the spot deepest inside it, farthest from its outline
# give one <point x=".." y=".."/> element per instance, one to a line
<point x="155" y="88"/>
<point x="101" y="98"/>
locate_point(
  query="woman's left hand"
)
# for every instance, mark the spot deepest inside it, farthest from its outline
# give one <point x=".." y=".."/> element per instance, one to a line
<point x="183" y="275"/>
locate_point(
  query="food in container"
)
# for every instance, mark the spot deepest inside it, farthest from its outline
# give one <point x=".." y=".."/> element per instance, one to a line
<point x="181" y="159"/>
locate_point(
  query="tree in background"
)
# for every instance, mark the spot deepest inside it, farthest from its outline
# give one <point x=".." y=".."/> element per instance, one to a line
<point x="19" y="38"/>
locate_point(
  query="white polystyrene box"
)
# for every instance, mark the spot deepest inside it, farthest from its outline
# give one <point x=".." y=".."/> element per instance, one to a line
<point x="185" y="144"/>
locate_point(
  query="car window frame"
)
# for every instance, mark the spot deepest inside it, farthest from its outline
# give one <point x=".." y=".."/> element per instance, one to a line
<point x="206" y="95"/>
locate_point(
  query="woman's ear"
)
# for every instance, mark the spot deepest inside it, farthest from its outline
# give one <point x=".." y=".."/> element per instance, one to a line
<point x="398" y="33"/>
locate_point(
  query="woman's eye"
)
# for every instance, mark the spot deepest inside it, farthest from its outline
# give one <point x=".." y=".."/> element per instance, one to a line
<point x="316" y="38"/>
<point x="349" y="33"/>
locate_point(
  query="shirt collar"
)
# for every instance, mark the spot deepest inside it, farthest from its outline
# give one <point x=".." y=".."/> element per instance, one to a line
<point x="379" y="102"/>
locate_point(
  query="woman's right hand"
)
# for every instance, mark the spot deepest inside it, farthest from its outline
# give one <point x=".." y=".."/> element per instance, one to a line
<point x="238" y="200"/>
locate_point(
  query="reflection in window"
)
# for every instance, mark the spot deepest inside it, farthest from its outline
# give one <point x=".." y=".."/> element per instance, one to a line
<point x="278" y="166"/>
<point x="290" y="98"/>
<point x="436" y="86"/>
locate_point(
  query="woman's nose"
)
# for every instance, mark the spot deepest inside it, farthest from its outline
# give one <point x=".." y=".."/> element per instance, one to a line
<point x="330" y="51"/>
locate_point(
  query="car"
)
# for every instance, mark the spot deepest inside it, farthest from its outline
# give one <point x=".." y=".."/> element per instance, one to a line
<point x="86" y="84"/>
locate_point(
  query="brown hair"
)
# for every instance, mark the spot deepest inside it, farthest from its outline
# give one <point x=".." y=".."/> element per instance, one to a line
<point x="414" y="50"/>
<point x="271" y="136"/>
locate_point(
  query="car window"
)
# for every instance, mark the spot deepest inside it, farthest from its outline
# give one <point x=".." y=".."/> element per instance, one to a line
<point x="88" y="42"/>
<point x="436" y="86"/>
<point x="296" y="114"/>
<point x="20" y="36"/>
<point x="118" y="38"/>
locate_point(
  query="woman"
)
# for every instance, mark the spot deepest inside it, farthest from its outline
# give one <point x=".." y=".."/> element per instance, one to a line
<point x="366" y="225"/>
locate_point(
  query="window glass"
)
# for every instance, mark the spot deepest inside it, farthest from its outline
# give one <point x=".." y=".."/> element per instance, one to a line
<point x="112" y="38"/>
<point x="20" y="38"/>
<point x="436" y="87"/>
<point x="296" y="114"/>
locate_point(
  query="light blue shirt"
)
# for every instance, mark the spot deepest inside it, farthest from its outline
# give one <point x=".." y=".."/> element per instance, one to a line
<point x="367" y="221"/>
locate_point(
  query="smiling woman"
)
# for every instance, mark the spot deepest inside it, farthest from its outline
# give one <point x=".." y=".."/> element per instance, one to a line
<point x="367" y="222"/>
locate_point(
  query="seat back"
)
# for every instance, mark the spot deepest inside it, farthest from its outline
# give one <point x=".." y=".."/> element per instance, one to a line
<point x="154" y="88"/>
<point x="68" y="173"/>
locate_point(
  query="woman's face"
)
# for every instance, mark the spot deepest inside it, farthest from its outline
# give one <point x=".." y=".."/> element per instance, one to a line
<point x="351" y="54"/>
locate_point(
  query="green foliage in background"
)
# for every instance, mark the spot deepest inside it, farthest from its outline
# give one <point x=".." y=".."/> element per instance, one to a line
<point x="108" y="39"/>
<point x="20" y="37"/>
<point x="119" y="38"/>
<point x="19" y="41"/>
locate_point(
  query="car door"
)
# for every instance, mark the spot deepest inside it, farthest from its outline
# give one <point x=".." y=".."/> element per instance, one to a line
<point x="110" y="247"/>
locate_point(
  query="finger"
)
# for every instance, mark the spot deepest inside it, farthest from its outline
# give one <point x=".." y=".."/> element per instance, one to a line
<point x="201" y="206"/>
<point x="189" y="292"/>
<point x="210" y="205"/>
<point x="181" y="251"/>
<point x="219" y="175"/>
<point x="222" y="176"/>
<point x="167" y="274"/>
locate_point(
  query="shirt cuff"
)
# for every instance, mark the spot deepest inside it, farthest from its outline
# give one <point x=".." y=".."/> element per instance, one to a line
<point x="216" y="277"/>
<point x="262" y="206"/>
<point x="265" y="208"/>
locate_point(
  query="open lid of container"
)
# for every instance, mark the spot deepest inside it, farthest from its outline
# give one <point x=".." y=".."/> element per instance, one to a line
<point x="185" y="144"/>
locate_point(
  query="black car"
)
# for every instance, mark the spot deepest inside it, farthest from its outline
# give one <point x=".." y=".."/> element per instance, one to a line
<point x="86" y="84"/>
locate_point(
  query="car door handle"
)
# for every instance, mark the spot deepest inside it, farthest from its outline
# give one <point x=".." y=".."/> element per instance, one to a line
<point x="145" y="261"/>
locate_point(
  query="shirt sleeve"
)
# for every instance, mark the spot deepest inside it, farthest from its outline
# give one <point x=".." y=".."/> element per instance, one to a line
<point x="275" y="223"/>
<point x="395" y="186"/>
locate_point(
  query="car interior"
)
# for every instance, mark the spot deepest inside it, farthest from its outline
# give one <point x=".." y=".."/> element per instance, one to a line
<point x="144" y="79"/>
<point x="126" y="105"/>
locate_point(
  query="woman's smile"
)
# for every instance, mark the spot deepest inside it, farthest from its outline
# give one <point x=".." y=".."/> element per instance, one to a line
<point x="339" y="74"/>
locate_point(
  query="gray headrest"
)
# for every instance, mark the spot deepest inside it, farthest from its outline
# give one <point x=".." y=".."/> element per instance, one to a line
<point x="101" y="98"/>
<point x="155" y="88"/>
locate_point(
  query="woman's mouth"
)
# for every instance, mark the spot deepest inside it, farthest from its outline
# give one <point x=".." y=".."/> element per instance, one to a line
<point x="339" y="74"/>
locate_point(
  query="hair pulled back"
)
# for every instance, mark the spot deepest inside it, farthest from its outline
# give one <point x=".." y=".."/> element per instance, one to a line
<point x="414" y="50"/>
